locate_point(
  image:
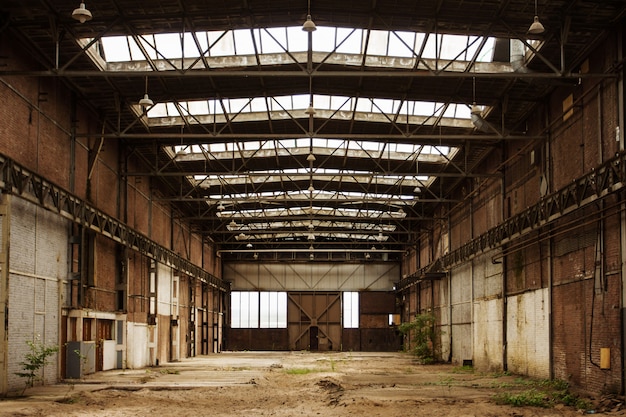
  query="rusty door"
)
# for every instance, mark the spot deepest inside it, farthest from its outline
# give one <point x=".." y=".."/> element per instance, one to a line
<point x="314" y="320"/>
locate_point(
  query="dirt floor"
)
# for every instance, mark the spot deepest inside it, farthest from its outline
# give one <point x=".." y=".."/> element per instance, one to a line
<point x="303" y="384"/>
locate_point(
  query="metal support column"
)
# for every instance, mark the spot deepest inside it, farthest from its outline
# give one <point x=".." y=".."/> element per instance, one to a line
<point x="5" y="226"/>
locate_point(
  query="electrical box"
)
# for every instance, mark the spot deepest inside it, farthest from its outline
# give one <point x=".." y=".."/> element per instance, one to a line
<point x="80" y="359"/>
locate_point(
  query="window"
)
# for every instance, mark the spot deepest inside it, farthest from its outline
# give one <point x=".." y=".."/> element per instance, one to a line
<point x="265" y="310"/>
<point x="350" y="310"/>
<point x="273" y="310"/>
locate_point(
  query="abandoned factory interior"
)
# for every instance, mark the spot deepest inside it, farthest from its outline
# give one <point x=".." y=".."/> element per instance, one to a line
<point x="188" y="178"/>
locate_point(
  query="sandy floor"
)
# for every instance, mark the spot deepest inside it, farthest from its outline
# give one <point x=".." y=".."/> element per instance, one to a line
<point x="291" y="384"/>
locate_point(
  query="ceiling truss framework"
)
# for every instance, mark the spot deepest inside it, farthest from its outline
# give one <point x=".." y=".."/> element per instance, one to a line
<point x="267" y="138"/>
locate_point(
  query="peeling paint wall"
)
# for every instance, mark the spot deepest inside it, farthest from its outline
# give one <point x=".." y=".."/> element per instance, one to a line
<point x="528" y="334"/>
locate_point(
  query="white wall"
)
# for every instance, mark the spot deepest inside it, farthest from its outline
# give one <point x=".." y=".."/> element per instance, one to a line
<point x="38" y="262"/>
<point x="528" y="334"/>
<point x="487" y="314"/>
<point x="137" y="338"/>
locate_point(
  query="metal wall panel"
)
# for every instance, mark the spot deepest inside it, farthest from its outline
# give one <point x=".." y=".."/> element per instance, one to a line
<point x="488" y="314"/>
<point x="461" y="310"/>
<point x="314" y="321"/>
<point x="488" y="335"/>
<point x="528" y="350"/>
<point x="312" y="276"/>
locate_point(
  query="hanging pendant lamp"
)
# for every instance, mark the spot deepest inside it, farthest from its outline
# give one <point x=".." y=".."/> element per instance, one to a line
<point x="536" y="28"/>
<point x="81" y="14"/>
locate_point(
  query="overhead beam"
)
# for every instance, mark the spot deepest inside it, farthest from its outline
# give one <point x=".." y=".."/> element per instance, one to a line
<point x="317" y="175"/>
<point x="207" y="138"/>
<point x="300" y="74"/>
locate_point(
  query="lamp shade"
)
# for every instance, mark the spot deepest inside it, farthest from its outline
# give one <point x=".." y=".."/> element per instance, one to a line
<point x="146" y="101"/>
<point x="308" y="25"/>
<point x="536" y="28"/>
<point x="81" y="14"/>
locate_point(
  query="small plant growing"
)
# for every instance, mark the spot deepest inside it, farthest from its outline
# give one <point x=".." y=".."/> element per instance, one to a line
<point x="34" y="361"/>
<point x="422" y="333"/>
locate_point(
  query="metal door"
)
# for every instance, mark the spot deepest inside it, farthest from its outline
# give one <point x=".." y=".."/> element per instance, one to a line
<point x="314" y="320"/>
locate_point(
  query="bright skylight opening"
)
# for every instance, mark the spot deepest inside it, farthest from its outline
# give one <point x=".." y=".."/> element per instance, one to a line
<point x="280" y="40"/>
<point x="319" y="146"/>
<point x="292" y="107"/>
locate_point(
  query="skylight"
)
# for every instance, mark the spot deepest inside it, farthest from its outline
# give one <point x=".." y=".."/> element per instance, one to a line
<point x="184" y="50"/>
<point x="317" y="146"/>
<point x="379" y="110"/>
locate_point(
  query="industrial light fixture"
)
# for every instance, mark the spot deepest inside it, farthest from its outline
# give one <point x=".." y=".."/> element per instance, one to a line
<point x="249" y="245"/>
<point x="536" y="28"/>
<point x="367" y="256"/>
<point x="311" y="236"/>
<point x="475" y="111"/>
<point x="146" y="102"/>
<point x="233" y="223"/>
<point x="255" y="256"/>
<point x="311" y="256"/>
<point x="310" y="111"/>
<point x="311" y="248"/>
<point x="220" y="207"/>
<point x="310" y="158"/>
<point x="81" y="14"/>
<point x="308" y="25"/>
<point x="373" y="247"/>
<point x="241" y="236"/>
<point x="311" y="188"/>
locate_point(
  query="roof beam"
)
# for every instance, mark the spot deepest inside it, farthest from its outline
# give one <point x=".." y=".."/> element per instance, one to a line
<point x="298" y="74"/>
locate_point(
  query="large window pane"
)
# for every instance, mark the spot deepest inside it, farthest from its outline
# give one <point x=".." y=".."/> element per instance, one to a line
<point x="350" y="310"/>
<point x="251" y="310"/>
<point x="273" y="310"/>
<point x="244" y="310"/>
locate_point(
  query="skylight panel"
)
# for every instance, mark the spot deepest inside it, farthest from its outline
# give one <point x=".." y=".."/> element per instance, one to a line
<point x="300" y="101"/>
<point x="324" y="39"/>
<point x="116" y="48"/>
<point x="272" y="40"/>
<point x="221" y="43"/>
<point x="403" y="44"/>
<point x="378" y="42"/>
<point x="243" y="42"/>
<point x="168" y="45"/>
<point x="322" y="102"/>
<point x="453" y="46"/>
<point x="298" y="39"/>
<point x="384" y="105"/>
<point x="252" y="145"/>
<point x="258" y="104"/>
<point x="236" y="105"/>
<point x="190" y="49"/>
<point x="350" y="41"/>
<point x="158" y="110"/>
<point x="198" y="107"/>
